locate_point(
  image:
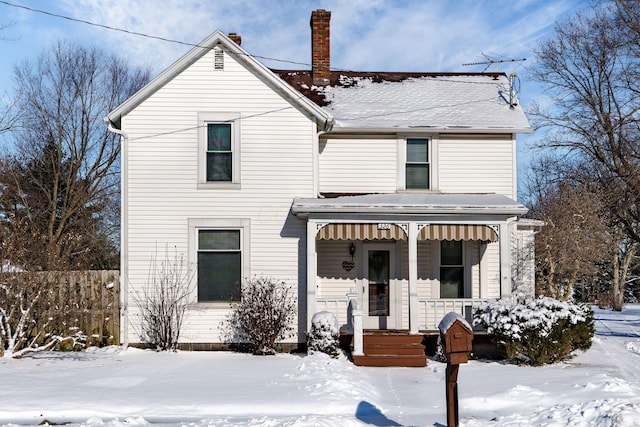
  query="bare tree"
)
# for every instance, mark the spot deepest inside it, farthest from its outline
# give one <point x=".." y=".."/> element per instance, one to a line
<point x="62" y="172"/>
<point x="572" y="242"/>
<point x="589" y="67"/>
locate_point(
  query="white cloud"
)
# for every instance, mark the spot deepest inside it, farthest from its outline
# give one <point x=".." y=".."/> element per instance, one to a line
<point x="372" y="34"/>
<point x="377" y="35"/>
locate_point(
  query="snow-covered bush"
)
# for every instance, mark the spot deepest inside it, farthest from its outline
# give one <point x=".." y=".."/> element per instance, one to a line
<point x="324" y="334"/>
<point x="538" y="331"/>
<point x="265" y="314"/>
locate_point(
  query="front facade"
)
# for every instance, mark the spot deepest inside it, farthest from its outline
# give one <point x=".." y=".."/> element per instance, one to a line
<point x="395" y="192"/>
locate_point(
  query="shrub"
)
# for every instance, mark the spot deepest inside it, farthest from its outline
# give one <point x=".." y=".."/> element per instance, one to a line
<point x="163" y="301"/>
<point x="538" y="331"/>
<point x="264" y="315"/>
<point x="324" y="334"/>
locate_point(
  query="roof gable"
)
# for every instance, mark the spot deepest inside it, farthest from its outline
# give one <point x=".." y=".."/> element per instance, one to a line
<point x="218" y="38"/>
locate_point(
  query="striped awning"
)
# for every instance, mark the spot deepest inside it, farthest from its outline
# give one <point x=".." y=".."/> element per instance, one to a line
<point x="458" y="232"/>
<point x="376" y="231"/>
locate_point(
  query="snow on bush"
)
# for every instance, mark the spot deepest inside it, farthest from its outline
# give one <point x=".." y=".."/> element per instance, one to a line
<point x="538" y="331"/>
<point x="265" y="314"/>
<point x="324" y="334"/>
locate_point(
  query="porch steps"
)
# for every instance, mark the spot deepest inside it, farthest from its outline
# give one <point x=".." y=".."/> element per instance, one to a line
<point x="392" y="349"/>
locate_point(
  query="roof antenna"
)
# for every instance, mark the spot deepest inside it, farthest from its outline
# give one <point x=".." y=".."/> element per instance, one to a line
<point x="490" y="61"/>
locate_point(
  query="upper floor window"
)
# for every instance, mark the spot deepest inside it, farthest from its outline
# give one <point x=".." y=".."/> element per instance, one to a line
<point x="417" y="168"/>
<point x="219" y="150"/>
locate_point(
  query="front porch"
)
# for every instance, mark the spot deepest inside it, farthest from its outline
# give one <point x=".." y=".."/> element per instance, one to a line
<point x="403" y="261"/>
<point x="386" y="348"/>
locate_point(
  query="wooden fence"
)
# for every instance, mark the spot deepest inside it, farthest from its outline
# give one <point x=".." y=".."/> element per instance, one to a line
<point x="92" y="296"/>
<point x="101" y="290"/>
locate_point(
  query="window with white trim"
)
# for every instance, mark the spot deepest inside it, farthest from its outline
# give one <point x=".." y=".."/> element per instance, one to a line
<point x="219" y="153"/>
<point x="219" y="265"/>
<point x="219" y="150"/>
<point x="451" y="269"/>
<point x="417" y="166"/>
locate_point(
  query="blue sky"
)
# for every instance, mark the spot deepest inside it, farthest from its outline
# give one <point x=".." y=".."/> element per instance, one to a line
<point x="366" y="35"/>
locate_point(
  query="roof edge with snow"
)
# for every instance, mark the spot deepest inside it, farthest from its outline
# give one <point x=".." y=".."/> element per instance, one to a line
<point x="411" y="203"/>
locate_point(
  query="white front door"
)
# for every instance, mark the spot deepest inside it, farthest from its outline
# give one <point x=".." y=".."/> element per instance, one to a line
<point x="379" y="286"/>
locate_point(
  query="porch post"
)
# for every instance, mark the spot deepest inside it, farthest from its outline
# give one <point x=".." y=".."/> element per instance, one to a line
<point x="505" y="260"/>
<point x="311" y="271"/>
<point x="414" y="317"/>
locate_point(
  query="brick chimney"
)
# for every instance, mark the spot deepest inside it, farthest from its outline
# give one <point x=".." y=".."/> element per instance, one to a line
<point x="320" y="53"/>
<point x="236" y="38"/>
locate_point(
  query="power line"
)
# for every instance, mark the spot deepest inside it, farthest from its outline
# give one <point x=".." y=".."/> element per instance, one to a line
<point x="136" y="33"/>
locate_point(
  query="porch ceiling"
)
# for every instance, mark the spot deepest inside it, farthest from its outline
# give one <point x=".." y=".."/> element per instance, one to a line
<point x="411" y="203"/>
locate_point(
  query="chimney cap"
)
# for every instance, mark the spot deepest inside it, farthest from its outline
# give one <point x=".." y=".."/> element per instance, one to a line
<point x="235" y="37"/>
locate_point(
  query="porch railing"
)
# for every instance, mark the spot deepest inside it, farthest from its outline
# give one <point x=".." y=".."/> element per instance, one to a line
<point x="433" y="310"/>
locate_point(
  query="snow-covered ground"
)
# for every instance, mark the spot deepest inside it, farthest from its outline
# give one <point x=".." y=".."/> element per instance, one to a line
<point x="112" y="387"/>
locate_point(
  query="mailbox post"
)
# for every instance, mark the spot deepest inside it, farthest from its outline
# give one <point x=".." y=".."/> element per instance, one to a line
<point x="456" y="337"/>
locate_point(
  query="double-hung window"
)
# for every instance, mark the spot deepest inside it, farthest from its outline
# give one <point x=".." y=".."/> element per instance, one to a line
<point x="219" y="265"/>
<point x="219" y="153"/>
<point x="451" y="269"/>
<point x="417" y="167"/>
<point x="219" y="150"/>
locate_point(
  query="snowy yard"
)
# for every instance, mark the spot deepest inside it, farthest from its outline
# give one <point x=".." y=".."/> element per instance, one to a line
<point x="111" y="387"/>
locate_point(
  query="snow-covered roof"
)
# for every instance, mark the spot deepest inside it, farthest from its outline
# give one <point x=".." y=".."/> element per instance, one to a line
<point x="454" y="102"/>
<point x="410" y="203"/>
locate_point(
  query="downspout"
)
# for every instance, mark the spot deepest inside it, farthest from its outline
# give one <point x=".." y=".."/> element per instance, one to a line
<point x="124" y="271"/>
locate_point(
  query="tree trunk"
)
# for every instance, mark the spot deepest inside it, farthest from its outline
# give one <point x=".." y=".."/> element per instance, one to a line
<point x="620" y="271"/>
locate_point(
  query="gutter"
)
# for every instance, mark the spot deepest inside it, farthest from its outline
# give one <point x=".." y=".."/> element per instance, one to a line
<point x="409" y="210"/>
<point x="124" y="274"/>
<point x="421" y="130"/>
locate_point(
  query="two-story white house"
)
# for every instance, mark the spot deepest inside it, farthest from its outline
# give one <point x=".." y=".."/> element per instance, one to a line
<point x="391" y="196"/>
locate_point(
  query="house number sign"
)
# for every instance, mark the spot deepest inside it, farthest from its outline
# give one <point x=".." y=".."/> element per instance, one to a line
<point x="384" y="226"/>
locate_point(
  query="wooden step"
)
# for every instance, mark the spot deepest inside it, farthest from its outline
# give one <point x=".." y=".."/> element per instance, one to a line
<point x="392" y="349"/>
<point x="392" y="339"/>
<point x="410" y="361"/>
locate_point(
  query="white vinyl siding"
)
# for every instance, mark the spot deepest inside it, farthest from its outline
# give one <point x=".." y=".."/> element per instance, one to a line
<point x="162" y="192"/>
<point x="476" y="164"/>
<point x="358" y="165"/>
<point x="334" y="281"/>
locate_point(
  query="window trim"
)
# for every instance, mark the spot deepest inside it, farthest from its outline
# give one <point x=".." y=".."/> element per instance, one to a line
<point x="197" y="224"/>
<point x="432" y="152"/>
<point x="204" y="119"/>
